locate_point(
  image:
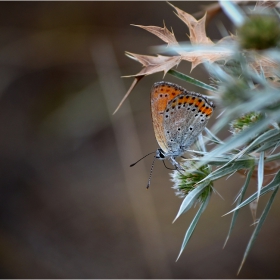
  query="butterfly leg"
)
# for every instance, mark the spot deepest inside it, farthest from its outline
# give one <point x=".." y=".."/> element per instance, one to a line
<point x="168" y="167"/>
<point x="176" y="164"/>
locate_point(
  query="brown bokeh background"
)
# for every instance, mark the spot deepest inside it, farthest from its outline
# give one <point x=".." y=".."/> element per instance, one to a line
<point x="71" y="207"/>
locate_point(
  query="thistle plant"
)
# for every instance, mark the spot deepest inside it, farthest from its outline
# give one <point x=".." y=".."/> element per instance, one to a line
<point x="244" y="71"/>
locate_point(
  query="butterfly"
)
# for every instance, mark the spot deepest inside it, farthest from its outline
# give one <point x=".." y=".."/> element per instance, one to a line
<point x="178" y="116"/>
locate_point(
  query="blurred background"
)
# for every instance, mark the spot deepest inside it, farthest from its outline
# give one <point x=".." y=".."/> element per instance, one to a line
<point x="71" y="207"/>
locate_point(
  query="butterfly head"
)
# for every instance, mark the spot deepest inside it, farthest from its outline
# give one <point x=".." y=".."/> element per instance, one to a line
<point x="160" y="154"/>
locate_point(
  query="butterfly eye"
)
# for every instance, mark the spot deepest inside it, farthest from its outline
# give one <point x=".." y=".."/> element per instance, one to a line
<point x="160" y="154"/>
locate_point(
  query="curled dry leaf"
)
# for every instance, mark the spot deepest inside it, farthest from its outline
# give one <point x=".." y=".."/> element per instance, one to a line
<point x="265" y="65"/>
<point x="216" y="53"/>
<point x="196" y="27"/>
<point x="261" y="5"/>
<point x="154" y="64"/>
<point x="213" y="9"/>
<point x="135" y="82"/>
<point x="162" y="32"/>
<point x="253" y="207"/>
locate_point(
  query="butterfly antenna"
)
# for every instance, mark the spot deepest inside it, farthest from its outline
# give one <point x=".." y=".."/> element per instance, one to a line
<point x="141" y="159"/>
<point x="152" y="167"/>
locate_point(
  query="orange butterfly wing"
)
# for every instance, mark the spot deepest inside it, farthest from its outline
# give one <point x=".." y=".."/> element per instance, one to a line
<point x="161" y="94"/>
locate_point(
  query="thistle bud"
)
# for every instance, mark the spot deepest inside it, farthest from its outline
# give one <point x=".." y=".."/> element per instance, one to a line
<point x="185" y="181"/>
<point x="244" y="122"/>
<point x="259" y="32"/>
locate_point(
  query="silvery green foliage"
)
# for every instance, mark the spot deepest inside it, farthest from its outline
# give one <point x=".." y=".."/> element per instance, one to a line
<point x="247" y="91"/>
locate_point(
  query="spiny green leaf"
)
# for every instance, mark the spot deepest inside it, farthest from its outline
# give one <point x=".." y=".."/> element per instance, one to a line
<point x="213" y="137"/>
<point x="260" y="173"/>
<point x="226" y="170"/>
<point x="268" y="145"/>
<point x="273" y="157"/>
<point x="190" y="80"/>
<point x="260" y="101"/>
<point x="193" y="225"/>
<point x="266" y="136"/>
<point x="226" y="159"/>
<point x="243" y="190"/>
<point x="236" y="140"/>
<point x="232" y="10"/>
<point x="217" y="71"/>
<point x="200" y="144"/>
<point x="258" y="227"/>
<point x="190" y="199"/>
<point x="270" y="187"/>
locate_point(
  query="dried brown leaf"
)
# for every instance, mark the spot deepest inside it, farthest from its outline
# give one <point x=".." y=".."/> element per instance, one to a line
<point x="253" y="207"/>
<point x="261" y="5"/>
<point x="134" y="83"/>
<point x="154" y="64"/>
<point x="162" y="32"/>
<point x="198" y="57"/>
<point x="264" y="64"/>
<point x="211" y="55"/>
<point x="196" y="27"/>
<point x="270" y="169"/>
<point x="212" y="10"/>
